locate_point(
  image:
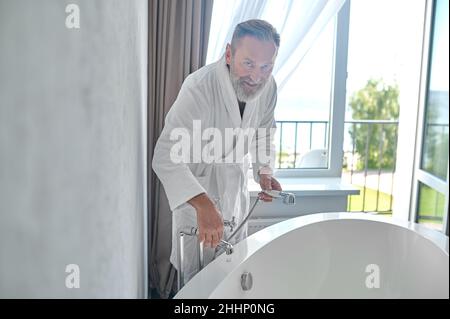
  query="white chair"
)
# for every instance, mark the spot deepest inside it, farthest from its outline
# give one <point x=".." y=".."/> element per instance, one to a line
<point x="316" y="158"/>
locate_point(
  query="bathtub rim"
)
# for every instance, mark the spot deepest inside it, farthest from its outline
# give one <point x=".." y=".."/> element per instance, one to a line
<point x="205" y="282"/>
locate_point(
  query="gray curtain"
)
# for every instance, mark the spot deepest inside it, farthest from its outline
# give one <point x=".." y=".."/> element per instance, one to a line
<point x="178" y="41"/>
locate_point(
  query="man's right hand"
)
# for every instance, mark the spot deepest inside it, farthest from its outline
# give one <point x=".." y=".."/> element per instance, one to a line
<point x="209" y="220"/>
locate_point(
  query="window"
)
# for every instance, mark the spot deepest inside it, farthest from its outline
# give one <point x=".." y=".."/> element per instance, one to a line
<point x="379" y="71"/>
<point x="310" y="104"/>
<point x="435" y="141"/>
<point x="304" y="108"/>
<point x="430" y="196"/>
<point x="323" y="90"/>
<point x="431" y="207"/>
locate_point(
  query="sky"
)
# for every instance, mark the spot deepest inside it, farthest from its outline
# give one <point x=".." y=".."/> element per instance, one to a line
<point x="440" y="78"/>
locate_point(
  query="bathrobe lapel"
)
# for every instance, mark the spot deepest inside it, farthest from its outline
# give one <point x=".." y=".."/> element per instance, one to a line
<point x="230" y="100"/>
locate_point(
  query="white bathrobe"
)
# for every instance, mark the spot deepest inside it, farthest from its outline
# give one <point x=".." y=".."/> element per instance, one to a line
<point x="208" y="95"/>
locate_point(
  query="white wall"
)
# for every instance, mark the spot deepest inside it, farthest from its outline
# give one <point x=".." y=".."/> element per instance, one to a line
<point x="72" y="148"/>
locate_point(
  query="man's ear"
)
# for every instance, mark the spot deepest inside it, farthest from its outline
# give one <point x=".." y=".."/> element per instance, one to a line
<point x="228" y="54"/>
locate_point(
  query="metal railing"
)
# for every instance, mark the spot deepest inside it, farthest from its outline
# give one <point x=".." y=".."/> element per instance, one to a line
<point x="359" y="154"/>
<point x="298" y="124"/>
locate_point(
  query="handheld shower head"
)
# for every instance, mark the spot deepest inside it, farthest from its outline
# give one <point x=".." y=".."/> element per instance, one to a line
<point x="288" y="198"/>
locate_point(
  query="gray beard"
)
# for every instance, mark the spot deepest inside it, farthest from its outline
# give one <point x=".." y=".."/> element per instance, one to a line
<point x="239" y="90"/>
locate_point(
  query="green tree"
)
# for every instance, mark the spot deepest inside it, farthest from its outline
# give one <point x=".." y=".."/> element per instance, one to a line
<point x="376" y="101"/>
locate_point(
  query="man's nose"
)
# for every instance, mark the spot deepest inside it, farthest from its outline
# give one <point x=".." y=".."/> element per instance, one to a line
<point x="255" y="76"/>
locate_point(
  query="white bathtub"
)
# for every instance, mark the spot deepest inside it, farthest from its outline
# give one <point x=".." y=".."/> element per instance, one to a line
<point x="331" y="255"/>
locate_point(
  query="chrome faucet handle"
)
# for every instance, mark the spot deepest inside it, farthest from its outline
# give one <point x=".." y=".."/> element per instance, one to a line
<point x="190" y="231"/>
<point x="230" y="223"/>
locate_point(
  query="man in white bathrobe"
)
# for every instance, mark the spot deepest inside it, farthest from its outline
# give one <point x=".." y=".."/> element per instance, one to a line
<point x="237" y="94"/>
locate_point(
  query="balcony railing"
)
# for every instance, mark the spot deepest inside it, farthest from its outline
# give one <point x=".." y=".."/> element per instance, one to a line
<point x="368" y="166"/>
<point x="298" y="125"/>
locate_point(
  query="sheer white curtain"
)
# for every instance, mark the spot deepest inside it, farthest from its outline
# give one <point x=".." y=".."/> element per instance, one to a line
<point x="299" y="23"/>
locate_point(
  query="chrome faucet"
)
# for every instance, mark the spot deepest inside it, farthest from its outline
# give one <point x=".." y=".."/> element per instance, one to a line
<point x="227" y="246"/>
<point x="288" y="199"/>
<point x="230" y="223"/>
<point x="193" y="231"/>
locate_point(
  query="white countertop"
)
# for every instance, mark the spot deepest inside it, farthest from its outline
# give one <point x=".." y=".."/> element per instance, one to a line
<point x="308" y="186"/>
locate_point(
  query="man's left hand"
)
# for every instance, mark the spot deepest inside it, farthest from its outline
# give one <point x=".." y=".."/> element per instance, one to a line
<point x="268" y="182"/>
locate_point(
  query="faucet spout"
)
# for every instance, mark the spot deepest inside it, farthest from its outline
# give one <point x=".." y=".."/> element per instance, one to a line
<point x="227" y="246"/>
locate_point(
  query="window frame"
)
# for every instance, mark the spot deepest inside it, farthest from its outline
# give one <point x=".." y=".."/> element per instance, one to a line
<point x="337" y="114"/>
<point x="420" y="175"/>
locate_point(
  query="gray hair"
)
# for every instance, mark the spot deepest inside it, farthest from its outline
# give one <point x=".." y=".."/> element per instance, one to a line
<point x="256" y="28"/>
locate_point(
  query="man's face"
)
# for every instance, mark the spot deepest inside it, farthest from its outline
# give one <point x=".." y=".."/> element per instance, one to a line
<point x="250" y="66"/>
